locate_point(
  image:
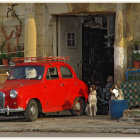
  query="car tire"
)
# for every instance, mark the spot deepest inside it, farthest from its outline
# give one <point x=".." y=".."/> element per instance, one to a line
<point x="78" y="107"/>
<point x="31" y="112"/>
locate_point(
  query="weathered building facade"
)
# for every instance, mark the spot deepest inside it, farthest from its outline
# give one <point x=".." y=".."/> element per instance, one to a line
<point x="93" y="35"/>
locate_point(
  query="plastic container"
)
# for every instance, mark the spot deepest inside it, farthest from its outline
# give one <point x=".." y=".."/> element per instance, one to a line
<point x="117" y="107"/>
<point x="133" y="74"/>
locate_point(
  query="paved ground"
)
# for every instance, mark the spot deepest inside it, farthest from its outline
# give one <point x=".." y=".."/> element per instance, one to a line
<point x="61" y="134"/>
<point x="68" y="124"/>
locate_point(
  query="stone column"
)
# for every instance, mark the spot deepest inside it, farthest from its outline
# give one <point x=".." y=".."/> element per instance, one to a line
<point x="119" y="46"/>
<point x="30" y="31"/>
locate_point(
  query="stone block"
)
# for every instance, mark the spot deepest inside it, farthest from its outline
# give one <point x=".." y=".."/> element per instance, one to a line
<point x="49" y="51"/>
<point x="116" y="130"/>
<point x="39" y="7"/>
<point x="136" y="7"/>
<point x="40" y="40"/>
<point x="58" y="8"/>
<point x="130" y="131"/>
<point x="39" y="20"/>
<point x="39" y="52"/>
<point x="136" y="113"/>
<point x="39" y="30"/>
<point x="98" y="7"/>
<point x="127" y="114"/>
<point x="131" y="120"/>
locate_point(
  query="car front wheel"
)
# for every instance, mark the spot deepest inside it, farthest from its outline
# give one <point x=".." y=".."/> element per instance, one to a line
<point x="78" y="107"/>
<point x="31" y="112"/>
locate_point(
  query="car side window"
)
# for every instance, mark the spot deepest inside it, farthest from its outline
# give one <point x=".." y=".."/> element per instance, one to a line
<point x="52" y="73"/>
<point x="65" y="72"/>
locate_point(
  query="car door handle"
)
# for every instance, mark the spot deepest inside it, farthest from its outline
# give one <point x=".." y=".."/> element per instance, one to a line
<point x="61" y="85"/>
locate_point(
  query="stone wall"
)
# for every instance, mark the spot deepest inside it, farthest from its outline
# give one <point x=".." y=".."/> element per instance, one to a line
<point x="41" y="28"/>
<point x="44" y="31"/>
<point x="36" y="33"/>
<point x="80" y="8"/>
<point x="131" y="28"/>
<point x="135" y="17"/>
<point x="33" y="35"/>
<point x="12" y="28"/>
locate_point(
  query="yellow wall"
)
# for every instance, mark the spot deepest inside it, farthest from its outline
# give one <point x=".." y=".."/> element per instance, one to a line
<point x="38" y="33"/>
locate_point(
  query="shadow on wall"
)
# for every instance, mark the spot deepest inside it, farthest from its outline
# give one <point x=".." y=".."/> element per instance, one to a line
<point x="119" y="75"/>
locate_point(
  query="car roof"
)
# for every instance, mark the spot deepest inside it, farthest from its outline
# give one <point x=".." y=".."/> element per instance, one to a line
<point x="47" y="63"/>
<point x="42" y="63"/>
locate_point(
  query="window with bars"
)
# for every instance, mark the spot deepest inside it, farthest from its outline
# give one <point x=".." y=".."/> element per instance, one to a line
<point x="71" y="40"/>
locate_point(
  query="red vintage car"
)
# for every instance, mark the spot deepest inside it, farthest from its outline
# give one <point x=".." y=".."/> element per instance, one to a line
<point x="42" y="86"/>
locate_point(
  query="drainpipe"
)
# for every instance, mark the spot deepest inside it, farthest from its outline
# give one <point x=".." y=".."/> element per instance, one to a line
<point x="56" y="35"/>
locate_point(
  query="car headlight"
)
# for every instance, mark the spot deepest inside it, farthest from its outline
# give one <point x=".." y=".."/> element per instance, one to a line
<point x="13" y="94"/>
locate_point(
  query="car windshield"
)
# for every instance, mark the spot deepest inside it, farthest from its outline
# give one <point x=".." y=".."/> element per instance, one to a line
<point x="27" y="72"/>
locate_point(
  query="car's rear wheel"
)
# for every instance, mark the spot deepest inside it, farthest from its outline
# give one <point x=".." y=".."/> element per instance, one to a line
<point x="78" y="107"/>
<point x="31" y="112"/>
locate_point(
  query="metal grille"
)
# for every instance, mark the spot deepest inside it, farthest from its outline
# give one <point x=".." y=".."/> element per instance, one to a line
<point x="2" y="100"/>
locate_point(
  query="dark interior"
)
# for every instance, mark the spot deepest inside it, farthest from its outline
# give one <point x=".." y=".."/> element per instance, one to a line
<point x="97" y="48"/>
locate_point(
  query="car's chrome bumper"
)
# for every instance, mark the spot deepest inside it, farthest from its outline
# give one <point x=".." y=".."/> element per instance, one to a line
<point x="8" y="110"/>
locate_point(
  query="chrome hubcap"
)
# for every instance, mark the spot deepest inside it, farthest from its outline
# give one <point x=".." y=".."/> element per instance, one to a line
<point x="78" y="106"/>
<point x="33" y="110"/>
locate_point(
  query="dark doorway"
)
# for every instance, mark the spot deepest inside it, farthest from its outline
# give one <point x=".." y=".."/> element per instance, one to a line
<point x="97" y="48"/>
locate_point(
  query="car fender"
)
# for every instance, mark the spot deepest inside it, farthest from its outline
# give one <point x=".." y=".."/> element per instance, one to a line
<point x="81" y="91"/>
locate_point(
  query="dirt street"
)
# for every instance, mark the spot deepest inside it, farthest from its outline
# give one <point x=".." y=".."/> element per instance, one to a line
<point x="64" y="123"/>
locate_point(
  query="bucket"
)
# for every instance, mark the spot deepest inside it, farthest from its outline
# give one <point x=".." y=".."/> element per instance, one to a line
<point x="117" y="107"/>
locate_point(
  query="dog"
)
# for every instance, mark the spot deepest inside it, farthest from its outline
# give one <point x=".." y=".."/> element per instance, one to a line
<point x="91" y="108"/>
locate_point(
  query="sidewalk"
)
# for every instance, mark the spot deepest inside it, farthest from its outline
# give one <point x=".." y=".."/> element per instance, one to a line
<point x="68" y="123"/>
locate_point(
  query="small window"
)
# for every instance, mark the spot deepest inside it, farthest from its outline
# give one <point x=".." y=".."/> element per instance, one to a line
<point x="52" y="73"/>
<point x="65" y="72"/>
<point x="71" y="40"/>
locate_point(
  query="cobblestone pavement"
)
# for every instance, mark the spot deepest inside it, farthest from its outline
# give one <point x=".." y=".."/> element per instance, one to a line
<point x="65" y="123"/>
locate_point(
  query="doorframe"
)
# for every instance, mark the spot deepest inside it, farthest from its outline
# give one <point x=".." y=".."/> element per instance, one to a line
<point x="56" y="37"/>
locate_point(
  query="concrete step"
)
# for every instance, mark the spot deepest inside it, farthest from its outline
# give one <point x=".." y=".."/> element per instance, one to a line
<point x="131" y="115"/>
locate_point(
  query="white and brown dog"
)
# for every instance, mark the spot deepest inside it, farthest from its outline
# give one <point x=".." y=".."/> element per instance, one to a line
<point x="91" y="108"/>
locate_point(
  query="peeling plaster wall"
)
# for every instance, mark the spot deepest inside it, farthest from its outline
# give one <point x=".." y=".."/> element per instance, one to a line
<point x="127" y="26"/>
<point x="10" y="28"/>
<point x="41" y="23"/>
<point x="44" y="23"/>
<point x="57" y="8"/>
<point x="131" y="28"/>
<point x="128" y="32"/>
<point x="135" y="19"/>
<point x="80" y="8"/>
<point x="102" y="7"/>
<point x="119" y="49"/>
